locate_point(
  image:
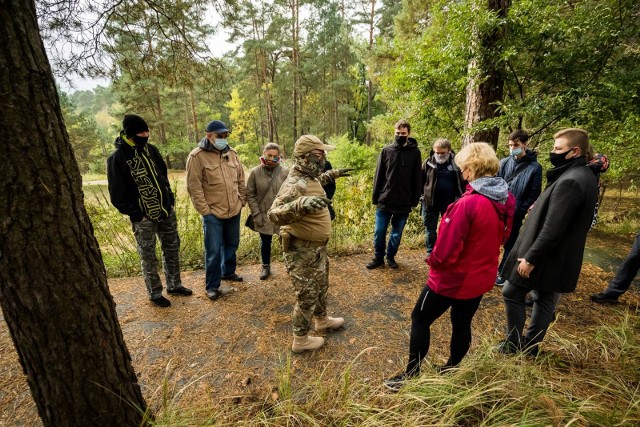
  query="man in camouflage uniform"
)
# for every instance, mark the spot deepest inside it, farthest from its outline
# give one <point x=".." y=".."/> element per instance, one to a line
<point x="301" y="209"/>
<point x="139" y="188"/>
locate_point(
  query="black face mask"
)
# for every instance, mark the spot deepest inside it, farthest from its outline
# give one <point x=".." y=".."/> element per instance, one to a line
<point x="401" y="140"/>
<point x="558" y="159"/>
<point x="140" y="140"/>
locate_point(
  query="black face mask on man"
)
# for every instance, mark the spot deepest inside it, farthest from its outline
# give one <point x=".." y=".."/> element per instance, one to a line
<point x="401" y="140"/>
<point x="558" y="159"/>
<point x="140" y="141"/>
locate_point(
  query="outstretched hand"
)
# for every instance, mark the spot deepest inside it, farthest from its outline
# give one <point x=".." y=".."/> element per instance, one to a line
<point x="344" y="172"/>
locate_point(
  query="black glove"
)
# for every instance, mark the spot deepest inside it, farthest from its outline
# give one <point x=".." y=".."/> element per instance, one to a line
<point x="344" y="172"/>
<point x="315" y="203"/>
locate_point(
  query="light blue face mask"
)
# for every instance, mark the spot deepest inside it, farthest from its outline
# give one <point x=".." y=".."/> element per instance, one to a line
<point x="220" y="144"/>
<point x="516" y="152"/>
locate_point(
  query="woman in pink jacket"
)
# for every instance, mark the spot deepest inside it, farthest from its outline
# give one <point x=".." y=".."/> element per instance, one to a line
<point x="464" y="261"/>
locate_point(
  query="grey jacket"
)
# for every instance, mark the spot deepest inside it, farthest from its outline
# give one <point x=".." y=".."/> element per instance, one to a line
<point x="262" y="188"/>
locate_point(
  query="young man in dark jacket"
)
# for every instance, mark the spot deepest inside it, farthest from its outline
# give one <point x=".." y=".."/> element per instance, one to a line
<point x="523" y="173"/>
<point x="547" y="257"/>
<point x="396" y="190"/>
<point x="139" y="188"/>
<point x="442" y="185"/>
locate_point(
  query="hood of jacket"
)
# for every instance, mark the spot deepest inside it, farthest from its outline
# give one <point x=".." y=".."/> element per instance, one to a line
<point x="120" y="142"/>
<point x="529" y="156"/>
<point x="493" y="187"/>
<point x="206" y="145"/>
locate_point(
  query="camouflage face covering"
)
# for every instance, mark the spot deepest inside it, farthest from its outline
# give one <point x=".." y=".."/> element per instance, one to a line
<point x="311" y="165"/>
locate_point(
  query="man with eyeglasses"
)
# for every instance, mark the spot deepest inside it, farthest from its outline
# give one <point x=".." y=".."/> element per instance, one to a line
<point x="215" y="183"/>
<point x="301" y="211"/>
<point x="397" y="186"/>
<point x="139" y="188"/>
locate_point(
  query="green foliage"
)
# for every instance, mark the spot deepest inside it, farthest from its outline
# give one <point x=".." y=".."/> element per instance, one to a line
<point x="566" y="64"/>
<point x="86" y="139"/>
<point x="352" y="154"/>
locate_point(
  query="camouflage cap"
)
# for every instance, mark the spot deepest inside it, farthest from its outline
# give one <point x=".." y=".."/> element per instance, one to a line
<point x="307" y="143"/>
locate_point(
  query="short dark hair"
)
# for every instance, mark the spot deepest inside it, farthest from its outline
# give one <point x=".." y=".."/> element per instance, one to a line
<point x="402" y="123"/>
<point x="519" y="135"/>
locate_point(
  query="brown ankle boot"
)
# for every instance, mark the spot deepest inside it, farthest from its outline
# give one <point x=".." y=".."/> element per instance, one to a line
<point x="305" y="343"/>
<point x="327" y="323"/>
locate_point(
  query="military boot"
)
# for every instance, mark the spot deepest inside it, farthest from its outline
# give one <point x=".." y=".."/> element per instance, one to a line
<point x="305" y="343"/>
<point x="265" y="272"/>
<point x="328" y="323"/>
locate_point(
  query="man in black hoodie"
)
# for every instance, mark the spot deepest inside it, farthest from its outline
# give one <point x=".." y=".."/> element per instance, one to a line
<point x="139" y="188"/>
<point x="397" y="186"/>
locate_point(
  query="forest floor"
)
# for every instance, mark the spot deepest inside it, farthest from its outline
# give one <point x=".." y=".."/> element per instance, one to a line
<point x="232" y="351"/>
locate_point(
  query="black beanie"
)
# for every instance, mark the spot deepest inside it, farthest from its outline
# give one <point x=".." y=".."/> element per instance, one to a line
<point x="133" y="125"/>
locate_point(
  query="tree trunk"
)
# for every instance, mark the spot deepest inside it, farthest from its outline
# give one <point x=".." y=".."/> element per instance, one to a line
<point x="194" y="114"/>
<point x="295" y="62"/>
<point x="372" y="19"/>
<point x="53" y="285"/>
<point x="486" y="81"/>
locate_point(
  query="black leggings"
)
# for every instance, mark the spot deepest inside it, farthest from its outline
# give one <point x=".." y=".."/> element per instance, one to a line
<point x="431" y="306"/>
<point x="265" y="248"/>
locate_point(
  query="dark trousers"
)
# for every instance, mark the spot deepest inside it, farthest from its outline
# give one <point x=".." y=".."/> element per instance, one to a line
<point x="627" y="271"/>
<point x="544" y="304"/>
<point x="265" y="248"/>
<point x="430" y="219"/>
<point x="383" y="219"/>
<point x="221" y="240"/>
<point x="508" y="245"/>
<point x="431" y="306"/>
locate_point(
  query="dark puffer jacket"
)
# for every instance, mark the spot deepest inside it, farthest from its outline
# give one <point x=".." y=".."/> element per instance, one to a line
<point x="397" y="184"/>
<point x="524" y="177"/>
<point x="138" y="182"/>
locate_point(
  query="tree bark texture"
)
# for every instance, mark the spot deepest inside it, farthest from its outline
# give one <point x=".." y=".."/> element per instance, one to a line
<point x="53" y="286"/>
<point x="486" y="81"/>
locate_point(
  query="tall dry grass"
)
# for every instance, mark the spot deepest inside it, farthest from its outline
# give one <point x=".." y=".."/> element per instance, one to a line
<point x="590" y="379"/>
<point x="352" y="230"/>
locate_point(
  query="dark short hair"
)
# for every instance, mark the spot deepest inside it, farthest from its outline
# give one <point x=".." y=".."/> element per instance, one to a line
<point x="402" y="123"/>
<point x="519" y="135"/>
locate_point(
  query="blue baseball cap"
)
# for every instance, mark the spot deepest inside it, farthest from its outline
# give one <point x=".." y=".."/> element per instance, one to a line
<point x="217" y="126"/>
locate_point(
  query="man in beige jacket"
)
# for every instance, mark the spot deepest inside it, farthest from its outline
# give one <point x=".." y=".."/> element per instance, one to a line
<point x="215" y="182"/>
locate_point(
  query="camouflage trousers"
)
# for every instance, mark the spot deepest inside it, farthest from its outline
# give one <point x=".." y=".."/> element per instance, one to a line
<point x="167" y="231"/>
<point x="308" y="268"/>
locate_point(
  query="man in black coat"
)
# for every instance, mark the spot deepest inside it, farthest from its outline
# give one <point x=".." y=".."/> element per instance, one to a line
<point x="397" y="186"/>
<point x="547" y="257"/>
<point x="139" y="188"/>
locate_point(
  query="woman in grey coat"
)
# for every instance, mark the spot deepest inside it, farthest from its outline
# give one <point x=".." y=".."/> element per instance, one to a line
<point x="263" y="185"/>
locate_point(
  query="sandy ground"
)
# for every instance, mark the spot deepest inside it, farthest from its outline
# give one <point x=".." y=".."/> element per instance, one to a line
<point x="231" y="350"/>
